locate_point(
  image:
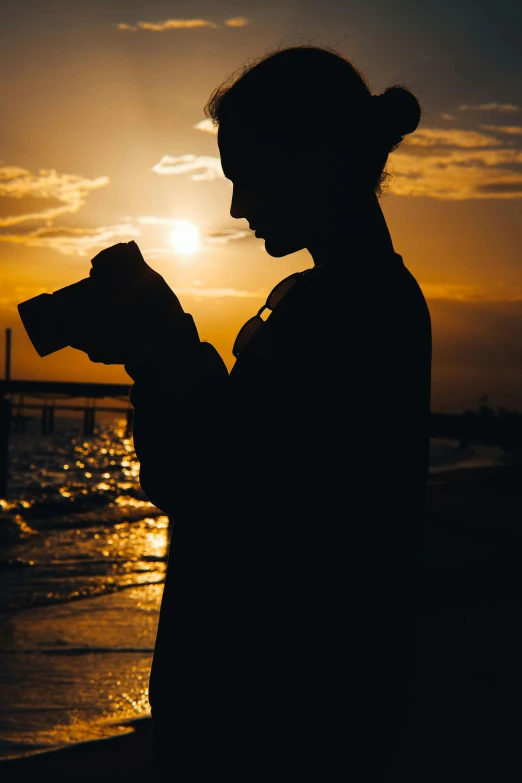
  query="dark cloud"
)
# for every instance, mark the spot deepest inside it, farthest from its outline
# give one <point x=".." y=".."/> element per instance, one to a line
<point x="501" y="187"/>
<point x="17" y="207"/>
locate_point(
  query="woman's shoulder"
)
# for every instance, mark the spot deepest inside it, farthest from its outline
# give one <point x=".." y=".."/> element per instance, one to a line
<point x="351" y="284"/>
<point x="349" y="302"/>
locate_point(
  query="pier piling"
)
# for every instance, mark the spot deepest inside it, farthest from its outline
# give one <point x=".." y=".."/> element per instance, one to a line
<point x="19" y="418"/>
<point x="88" y="421"/>
<point x="5" y="429"/>
<point x="130" y="418"/>
<point x="8" y="354"/>
<point x="47" y="420"/>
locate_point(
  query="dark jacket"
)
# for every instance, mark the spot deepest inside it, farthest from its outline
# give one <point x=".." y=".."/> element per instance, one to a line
<point x="297" y="485"/>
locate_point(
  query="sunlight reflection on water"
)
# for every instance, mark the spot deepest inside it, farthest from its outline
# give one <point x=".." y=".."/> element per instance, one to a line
<point x="82" y="566"/>
<point x="76" y="526"/>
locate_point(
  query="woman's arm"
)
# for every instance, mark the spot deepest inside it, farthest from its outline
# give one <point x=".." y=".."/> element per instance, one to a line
<point x="178" y="427"/>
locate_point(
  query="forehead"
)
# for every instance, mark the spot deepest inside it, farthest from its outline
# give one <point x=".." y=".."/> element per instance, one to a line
<point x="238" y="145"/>
<point x="234" y="135"/>
<point x="243" y="149"/>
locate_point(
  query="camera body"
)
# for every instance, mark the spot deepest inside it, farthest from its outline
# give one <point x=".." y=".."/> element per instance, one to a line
<point x="47" y="318"/>
<point x="119" y="278"/>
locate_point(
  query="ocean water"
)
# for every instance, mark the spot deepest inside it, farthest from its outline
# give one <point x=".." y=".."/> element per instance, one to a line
<point x="82" y="565"/>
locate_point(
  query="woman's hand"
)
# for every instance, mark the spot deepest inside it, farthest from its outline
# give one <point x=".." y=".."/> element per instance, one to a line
<point x="136" y="317"/>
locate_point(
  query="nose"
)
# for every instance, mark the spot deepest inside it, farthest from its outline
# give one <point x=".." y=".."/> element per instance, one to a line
<point x="238" y="205"/>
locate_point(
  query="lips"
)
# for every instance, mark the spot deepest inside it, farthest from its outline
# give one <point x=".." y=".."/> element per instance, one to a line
<point x="258" y="229"/>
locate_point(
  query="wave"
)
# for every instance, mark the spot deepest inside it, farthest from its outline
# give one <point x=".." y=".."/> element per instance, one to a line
<point x="14" y="528"/>
<point x="81" y="651"/>
<point x="66" y="594"/>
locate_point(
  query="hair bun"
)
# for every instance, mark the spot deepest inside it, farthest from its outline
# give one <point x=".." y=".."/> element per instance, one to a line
<point x="400" y="110"/>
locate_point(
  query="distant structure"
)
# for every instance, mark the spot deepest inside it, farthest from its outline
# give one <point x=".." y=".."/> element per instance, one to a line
<point x="13" y="406"/>
<point x="482" y="426"/>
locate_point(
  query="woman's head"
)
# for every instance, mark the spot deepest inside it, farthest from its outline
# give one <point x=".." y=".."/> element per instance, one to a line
<point x="300" y="133"/>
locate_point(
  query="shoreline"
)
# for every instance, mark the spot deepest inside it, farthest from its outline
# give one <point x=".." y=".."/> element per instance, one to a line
<point x="467" y="685"/>
<point x="128" y="756"/>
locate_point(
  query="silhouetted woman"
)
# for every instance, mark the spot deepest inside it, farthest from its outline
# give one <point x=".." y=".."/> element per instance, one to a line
<point x="297" y="482"/>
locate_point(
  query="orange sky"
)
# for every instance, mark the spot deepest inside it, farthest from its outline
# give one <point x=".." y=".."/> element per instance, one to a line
<point x="104" y="140"/>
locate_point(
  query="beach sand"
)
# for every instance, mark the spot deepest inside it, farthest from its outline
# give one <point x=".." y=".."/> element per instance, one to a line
<point x="465" y="718"/>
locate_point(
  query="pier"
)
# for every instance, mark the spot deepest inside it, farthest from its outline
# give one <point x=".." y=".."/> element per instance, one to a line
<point x="22" y="400"/>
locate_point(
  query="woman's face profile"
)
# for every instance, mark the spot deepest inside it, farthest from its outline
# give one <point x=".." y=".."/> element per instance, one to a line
<point x="270" y="189"/>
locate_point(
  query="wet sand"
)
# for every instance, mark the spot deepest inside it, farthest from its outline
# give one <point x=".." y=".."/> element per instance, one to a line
<point x="124" y="758"/>
<point x="465" y="719"/>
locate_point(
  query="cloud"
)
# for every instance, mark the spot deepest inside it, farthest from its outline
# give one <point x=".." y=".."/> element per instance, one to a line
<point x="16" y="209"/>
<point x="227" y="235"/>
<point x="209" y="167"/>
<point x="493" y="292"/>
<point x="504" y="107"/>
<point x="450" y="137"/>
<point x="11" y="172"/>
<point x="238" y="21"/>
<point x="206" y="125"/>
<point x="71" y="240"/>
<point x="212" y="237"/>
<point x="452" y="164"/>
<point x="181" y="24"/>
<point x="503" y="188"/>
<point x="443" y="163"/>
<point x="513" y="130"/>
<point x="168" y="24"/>
<point x="217" y="293"/>
<point x="454" y="177"/>
<point x="446" y="116"/>
<point x="63" y="193"/>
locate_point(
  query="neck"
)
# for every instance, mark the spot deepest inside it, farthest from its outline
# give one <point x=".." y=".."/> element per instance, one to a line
<point x="358" y="230"/>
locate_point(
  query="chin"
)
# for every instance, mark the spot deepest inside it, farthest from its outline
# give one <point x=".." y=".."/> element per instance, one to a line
<point x="281" y="246"/>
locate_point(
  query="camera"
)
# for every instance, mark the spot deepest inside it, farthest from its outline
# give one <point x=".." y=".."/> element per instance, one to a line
<point x="118" y="279"/>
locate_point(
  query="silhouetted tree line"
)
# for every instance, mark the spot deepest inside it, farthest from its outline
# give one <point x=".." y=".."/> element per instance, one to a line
<point x="484" y="425"/>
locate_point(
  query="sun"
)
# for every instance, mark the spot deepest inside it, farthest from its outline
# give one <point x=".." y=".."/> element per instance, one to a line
<point x="184" y="238"/>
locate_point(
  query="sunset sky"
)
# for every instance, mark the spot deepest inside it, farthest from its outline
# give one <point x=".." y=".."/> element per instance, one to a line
<point x="103" y="139"/>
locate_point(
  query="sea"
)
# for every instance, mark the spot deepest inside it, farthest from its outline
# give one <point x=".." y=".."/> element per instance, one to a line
<point x="82" y="564"/>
